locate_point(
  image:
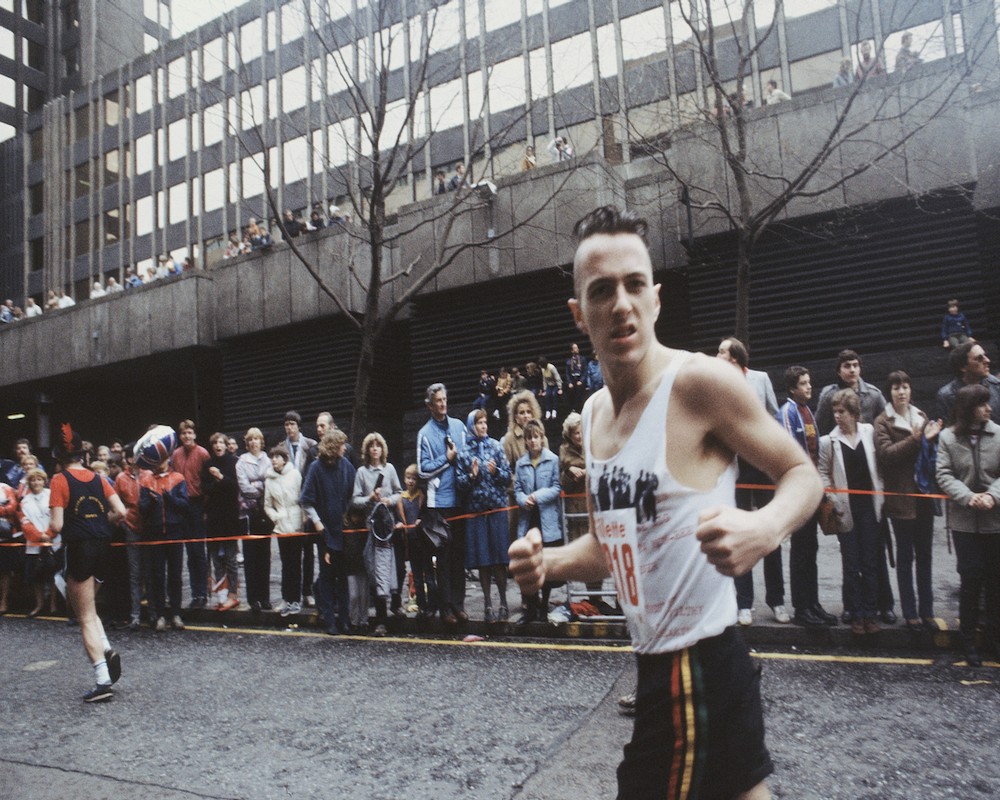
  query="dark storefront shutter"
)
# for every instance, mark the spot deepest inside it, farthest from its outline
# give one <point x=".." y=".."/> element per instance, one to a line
<point x="309" y="367"/>
<point x="874" y="279"/>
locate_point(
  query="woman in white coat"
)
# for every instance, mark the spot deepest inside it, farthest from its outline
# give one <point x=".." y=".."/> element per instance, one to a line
<point x="847" y="461"/>
<point x="281" y="504"/>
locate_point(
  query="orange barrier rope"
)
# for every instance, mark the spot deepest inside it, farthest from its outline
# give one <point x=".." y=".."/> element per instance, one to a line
<point x="457" y="517"/>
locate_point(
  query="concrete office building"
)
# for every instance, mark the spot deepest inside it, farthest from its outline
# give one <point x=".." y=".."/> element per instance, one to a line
<point x="163" y="153"/>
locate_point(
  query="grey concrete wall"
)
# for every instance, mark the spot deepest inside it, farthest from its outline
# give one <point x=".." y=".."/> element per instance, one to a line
<point x="165" y="316"/>
<point x="531" y="218"/>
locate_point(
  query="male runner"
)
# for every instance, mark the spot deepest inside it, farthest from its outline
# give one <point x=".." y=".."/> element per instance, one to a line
<point x="80" y="502"/>
<point x="667" y="428"/>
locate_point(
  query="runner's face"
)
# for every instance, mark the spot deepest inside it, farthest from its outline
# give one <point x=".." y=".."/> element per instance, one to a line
<point x="617" y="303"/>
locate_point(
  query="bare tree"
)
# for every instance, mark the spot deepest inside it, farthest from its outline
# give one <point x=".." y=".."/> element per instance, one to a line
<point x="374" y="96"/>
<point x="877" y="115"/>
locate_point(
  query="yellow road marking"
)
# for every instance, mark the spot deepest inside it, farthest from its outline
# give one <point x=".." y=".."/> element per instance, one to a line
<point x="556" y="646"/>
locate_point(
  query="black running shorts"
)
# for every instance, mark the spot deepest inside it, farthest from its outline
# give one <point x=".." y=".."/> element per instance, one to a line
<point x="699" y="727"/>
<point x="87" y="558"/>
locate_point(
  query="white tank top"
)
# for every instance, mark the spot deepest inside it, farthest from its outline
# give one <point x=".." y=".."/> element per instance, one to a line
<point x="645" y="522"/>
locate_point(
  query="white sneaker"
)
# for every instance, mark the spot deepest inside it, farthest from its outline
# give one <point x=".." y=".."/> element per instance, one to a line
<point x="290" y="608"/>
<point x="282" y="608"/>
<point x="781" y="615"/>
<point x="745" y="617"/>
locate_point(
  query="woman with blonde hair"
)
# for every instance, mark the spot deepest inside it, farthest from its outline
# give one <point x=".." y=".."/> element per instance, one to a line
<point x="523" y="406"/>
<point x="251" y="472"/>
<point x="40" y="543"/>
<point x="376" y="481"/>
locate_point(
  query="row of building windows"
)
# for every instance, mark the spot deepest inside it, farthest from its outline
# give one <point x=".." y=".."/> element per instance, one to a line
<point x="315" y="147"/>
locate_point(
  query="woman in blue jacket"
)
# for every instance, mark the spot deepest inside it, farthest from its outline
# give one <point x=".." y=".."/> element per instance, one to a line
<point x="537" y="490"/>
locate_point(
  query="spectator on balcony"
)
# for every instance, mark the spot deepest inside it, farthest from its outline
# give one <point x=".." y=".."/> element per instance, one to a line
<point x="32" y="309"/>
<point x="440" y="182"/>
<point x="113" y="285"/>
<point x="316" y="221"/>
<point x="258" y="235"/>
<point x="233" y="248"/>
<point x="576" y="378"/>
<point x="906" y="58"/>
<point x="131" y="279"/>
<point x="150" y="275"/>
<point x="845" y="77"/>
<point x="291" y="224"/>
<point x="774" y="95"/>
<point x="528" y="161"/>
<point x="65" y="301"/>
<point x="560" y="149"/>
<point x="97" y="291"/>
<point x="459" y="180"/>
<point x="336" y="215"/>
<point x="187" y="264"/>
<point x="955" y="327"/>
<point x="164" y="266"/>
<point x="869" y="66"/>
<point x="7" y="312"/>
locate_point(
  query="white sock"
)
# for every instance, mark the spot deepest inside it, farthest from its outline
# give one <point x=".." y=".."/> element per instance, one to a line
<point x="101" y="672"/>
<point x="223" y="596"/>
<point x="104" y="639"/>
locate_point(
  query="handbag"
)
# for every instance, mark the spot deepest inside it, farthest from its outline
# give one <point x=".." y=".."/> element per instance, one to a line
<point x="827" y="515"/>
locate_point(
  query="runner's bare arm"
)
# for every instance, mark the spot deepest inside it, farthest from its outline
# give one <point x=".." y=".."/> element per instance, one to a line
<point x="735" y="540"/>
<point x="56" y="519"/>
<point x="531" y="565"/>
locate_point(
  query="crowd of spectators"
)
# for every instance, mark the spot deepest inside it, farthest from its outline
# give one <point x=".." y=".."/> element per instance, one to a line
<point x="359" y="537"/>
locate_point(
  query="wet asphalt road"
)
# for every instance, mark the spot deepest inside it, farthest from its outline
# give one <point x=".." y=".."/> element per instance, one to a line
<point x="225" y="714"/>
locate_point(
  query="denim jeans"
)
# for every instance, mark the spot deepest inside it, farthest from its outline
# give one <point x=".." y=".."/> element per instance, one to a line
<point x="423" y="572"/>
<point x="197" y="555"/>
<point x="774" y="578"/>
<point x="978" y="557"/>
<point x="914" y="538"/>
<point x="859" y="556"/>
<point x="165" y="578"/>
<point x="803" y="574"/>
<point x="332" y="596"/>
<point x="551" y="399"/>
<point x="138" y="571"/>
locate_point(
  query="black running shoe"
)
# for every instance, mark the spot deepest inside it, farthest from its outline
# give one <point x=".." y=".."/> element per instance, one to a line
<point x="114" y="664"/>
<point x="99" y="694"/>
